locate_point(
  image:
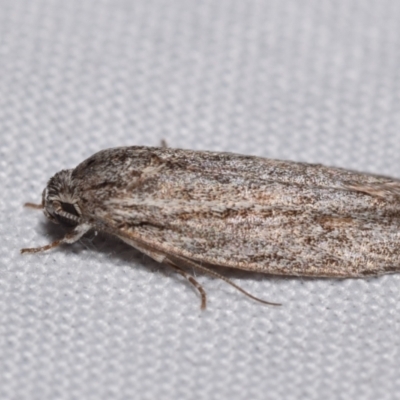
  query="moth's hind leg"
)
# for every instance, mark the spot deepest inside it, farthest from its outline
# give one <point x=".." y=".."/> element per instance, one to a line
<point x="192" y="281"/>
<point x="69" y="238"/>
<point x="193" y="264"/>
<point x="163" y="258"/>
<point x="172" y="262"/>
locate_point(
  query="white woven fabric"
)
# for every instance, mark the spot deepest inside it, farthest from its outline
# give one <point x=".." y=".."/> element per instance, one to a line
<point x="309" y="80"/>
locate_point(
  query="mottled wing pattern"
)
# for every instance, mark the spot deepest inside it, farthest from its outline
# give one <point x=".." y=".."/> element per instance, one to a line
<point x="246" y="212"/>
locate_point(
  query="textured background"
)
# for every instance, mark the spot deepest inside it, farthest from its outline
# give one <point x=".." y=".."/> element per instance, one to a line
<point x="315" y="81"/>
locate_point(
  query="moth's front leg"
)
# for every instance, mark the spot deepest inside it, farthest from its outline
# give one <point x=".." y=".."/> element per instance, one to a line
<point x="69" y="238"/>
<point x="34" y="206"/>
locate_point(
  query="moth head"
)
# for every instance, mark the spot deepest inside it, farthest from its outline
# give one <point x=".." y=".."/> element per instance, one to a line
<point x="60" y="204"/>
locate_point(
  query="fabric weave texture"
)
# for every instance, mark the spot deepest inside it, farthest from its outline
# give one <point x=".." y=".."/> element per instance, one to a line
<point x="314" y="81"/>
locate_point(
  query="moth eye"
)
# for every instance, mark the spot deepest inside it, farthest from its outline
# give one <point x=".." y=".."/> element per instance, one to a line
<point x="69" y="208"/>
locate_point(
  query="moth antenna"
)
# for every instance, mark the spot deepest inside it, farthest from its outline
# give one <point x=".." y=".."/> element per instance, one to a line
<point x="226" y="280"/>
<point x="33" y="205"/>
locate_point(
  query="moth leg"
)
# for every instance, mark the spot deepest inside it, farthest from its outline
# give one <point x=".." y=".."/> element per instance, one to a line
<point x="164" y="144"/>
<point x="219" y="276"/>
<point x="161" y="258"/>
<point x="69" y="238"/>
<point x="191" y="280"/>
<point x="33" y="205"/>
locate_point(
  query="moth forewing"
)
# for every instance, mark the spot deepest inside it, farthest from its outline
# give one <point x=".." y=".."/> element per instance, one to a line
<point x="194" y="207"/>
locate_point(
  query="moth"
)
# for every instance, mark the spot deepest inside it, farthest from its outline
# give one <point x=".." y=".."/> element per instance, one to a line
<point x="190" y="208"/>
